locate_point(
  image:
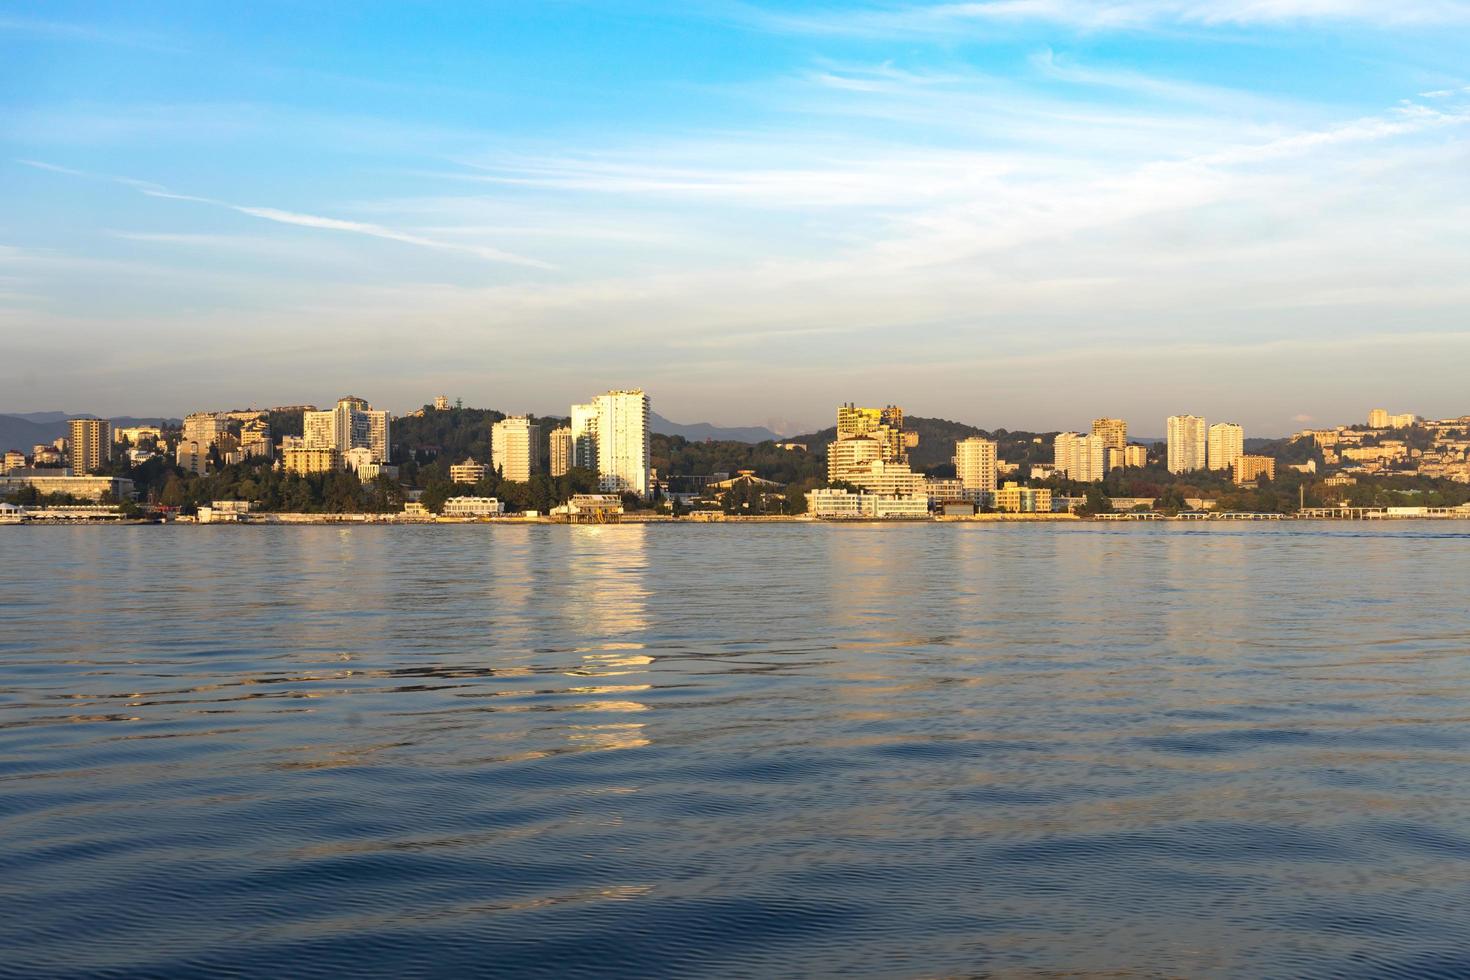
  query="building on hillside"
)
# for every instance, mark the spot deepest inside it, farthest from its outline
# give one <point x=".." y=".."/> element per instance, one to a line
<point x="204" y="428"/>
<point x="1129" y="457"/>
<point x="513" y="447"/>
<point x="1404" y="421"/>
<point x="134" y="434"/>
<point x="1226" y="445"/>
<point x="441" y="403"/>
<point x="191" y="457"/>
<point x="15" y="460"/>
<point x="467" y="472"/>
<point x="473" y="507"/>
<point x="309" y="460"/>
<point x="90" y="444"/>
<point x="255" y="440"/>
<point x="1250" y="469"/>
<point x="610" y="436"/>
<point x="1113" y="432"/>
<point x="975" y="464"/>
<point x="352" y="423"/>
<point x="1187" y="443"/>
<point x="1079" y="457"/>
<point x="1378" y="418"/>
<point x="561" y="450"/>
<point x="1016" y="499"/>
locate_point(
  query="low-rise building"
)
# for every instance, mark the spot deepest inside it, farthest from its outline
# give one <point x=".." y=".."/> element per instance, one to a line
<point x="473" y="507"/>
<point x="84" y="487"/>
<point x="1016" y="499"/>
<point x="1250" y="469"/>
<point x="306" y="462"/>
<point x="468" y="472"/>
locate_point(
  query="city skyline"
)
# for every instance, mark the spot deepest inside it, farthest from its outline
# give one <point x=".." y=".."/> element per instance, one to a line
<point x="1151" y="205"/>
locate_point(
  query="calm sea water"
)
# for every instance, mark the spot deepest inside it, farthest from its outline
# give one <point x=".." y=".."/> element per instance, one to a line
<point x="736" y="751"/>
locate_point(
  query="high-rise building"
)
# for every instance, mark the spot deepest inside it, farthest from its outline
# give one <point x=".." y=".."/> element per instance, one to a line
<point x="1226" y="444"/>
<point x="1378" y="418"/>
<point x="610" y="436"/>
<point x="89" y="443"/>
<point x="1079" y="457"/>
<point x="848" y="459"/>
<point x="1187" y="443"/>
<point x="1114" y="432"/>
<point x="561" y="450"/>
<point x="352" y="424"/>
<point x="204" y="428"/>
<point x="513" y="447"/>
<point x="975" y="464"/>
<point x="883" y="424"/>
<point x="1129" y="457"/>
<point x="441" y="403"/>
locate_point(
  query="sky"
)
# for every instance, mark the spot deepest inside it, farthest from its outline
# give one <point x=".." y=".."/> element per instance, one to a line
<point x="1012" y="213"/>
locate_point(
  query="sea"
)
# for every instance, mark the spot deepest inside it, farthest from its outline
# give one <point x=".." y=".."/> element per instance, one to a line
<point x="743" y="750"/>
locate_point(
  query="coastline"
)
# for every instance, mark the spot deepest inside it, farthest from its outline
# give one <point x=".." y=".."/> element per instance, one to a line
<point x="381" y="520"/>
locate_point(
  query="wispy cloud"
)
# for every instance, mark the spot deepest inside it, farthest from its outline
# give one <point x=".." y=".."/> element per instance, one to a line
<point x="950" y="18"/>
<point x="306" y="220"/>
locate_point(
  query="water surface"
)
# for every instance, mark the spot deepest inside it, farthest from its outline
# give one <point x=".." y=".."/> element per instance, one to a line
<point x="761" y="750"/>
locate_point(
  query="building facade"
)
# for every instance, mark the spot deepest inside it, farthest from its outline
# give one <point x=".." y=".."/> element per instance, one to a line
<point x="1250" y="469"/>
<point x="351" y="424"/>
<point x="1114" y="432"/>
<point x="1226" y="445"/>
<point x="467" y="472"/>
<point x="1016" y="499"/>
<point x="1079" y="457"/>
<point x="309" y="460"/>
<point x="610" y="436"/>
<point x="561" y="450"/>
<point x="473" y="507"/>
<point x="89" y="445"/>
<point x="975" y="464"/>
<point x="1187" y="443"/>
<point x="513" y="448"/>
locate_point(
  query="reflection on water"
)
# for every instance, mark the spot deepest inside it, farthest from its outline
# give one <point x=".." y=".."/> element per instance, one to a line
<point x="880" y="750"/>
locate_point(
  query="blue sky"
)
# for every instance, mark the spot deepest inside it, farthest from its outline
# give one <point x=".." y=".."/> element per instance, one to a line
<point x="1019" y="213"/>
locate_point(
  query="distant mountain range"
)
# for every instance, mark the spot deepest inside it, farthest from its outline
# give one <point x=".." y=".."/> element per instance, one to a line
<point x="22" y="430"/>
<point x="700" y="431"/>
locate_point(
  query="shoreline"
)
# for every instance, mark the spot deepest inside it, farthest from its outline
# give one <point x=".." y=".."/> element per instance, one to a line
<point x="378" y="520"/>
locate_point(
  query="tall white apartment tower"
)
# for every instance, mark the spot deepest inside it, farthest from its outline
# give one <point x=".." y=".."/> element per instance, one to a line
<point x="1081" y="458"/>
<point x="513" y="447"/>
<point x="1187" y="443"/>
<point x="610" y="435"/>
<point x="975" y="464"/>
<point x="1226" y="445"/>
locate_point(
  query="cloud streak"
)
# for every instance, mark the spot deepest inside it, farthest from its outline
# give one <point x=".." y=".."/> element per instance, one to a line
<point x="301" y="220"/>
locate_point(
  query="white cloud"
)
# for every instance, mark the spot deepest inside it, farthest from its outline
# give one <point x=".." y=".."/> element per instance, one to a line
<point x="946" y="19"/>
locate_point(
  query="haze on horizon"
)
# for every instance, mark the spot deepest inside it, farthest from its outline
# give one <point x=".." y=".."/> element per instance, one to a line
<point x="1017" y="213"/>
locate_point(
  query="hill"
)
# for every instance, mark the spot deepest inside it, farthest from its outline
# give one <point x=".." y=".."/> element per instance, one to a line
<point x="700" y="431"/>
